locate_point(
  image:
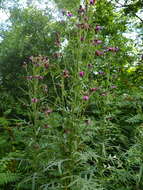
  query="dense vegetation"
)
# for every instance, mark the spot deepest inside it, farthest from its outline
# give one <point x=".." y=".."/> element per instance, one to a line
<point x="71" y="97"/>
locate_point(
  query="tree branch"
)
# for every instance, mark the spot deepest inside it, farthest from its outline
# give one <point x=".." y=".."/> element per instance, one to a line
<point x="138" y="17"/>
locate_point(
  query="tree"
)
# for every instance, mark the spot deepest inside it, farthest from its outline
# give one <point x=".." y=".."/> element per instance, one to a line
<point x="30" y="33"/>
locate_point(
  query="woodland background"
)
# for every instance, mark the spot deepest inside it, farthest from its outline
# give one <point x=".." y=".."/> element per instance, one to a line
<point x="71" y="95"/>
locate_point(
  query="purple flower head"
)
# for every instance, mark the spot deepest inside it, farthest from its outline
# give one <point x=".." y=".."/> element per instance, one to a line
<point x="86" y="18"/>
<point x="34" y="77"/>
<point x="110" y="49"/>
<point x="81" y="73"/>
<point x="81" y="9"/>
<point x="101" y="73"/>
<point x="69" y="14"/>
<point x="31" y="58"/>
<point x="90" y="65"/>
<point x="113" y="87"/>
<point x="85" y="98"/>
<point x="99" y="41"/>
<point x="113" y="49"/>
<point x="34" y="100"/>
<point x="57" y="43"/>
<point x="48" y="111"/>
<point x="66" y="73"/>
<point x="103" y="94"/>
<point x="29" y="77"/>
<point x="93" y="89"/>
<point x="37" y="65"/>
<point x="105" y="50"/>
<point x="40" y="77"/>
<point x="82" y="39"/>
<point x="46" y="126"/>
<point x="98" y="28"/>
<point x="116" y="49"/>
<point x="87" y="121"/>
<point x="92" y="2"/>
<point x="98" y="53"/>
<point x="109" y="118"/>
<point x="96" y="42"/>
<point x="46" y="65"/>
<point x="57" y="55"/>
<point x="86" y="26"/>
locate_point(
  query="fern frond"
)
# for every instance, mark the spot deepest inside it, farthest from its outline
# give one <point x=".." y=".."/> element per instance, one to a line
<point x="135" y="119"/>
<point x="8" y="177"/>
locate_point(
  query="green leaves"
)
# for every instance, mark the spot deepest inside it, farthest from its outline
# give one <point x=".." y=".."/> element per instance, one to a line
<point x="6" y="178"/>
<point x="69" y="5"/>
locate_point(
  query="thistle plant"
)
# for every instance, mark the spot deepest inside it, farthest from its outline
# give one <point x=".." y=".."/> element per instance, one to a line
<point x="76" y="87"/>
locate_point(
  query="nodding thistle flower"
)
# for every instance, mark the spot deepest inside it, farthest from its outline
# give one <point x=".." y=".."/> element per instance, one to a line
<point x="81" y="73"/>
<point x="103" y="94"/>
<point x="81" y="10"/>
<point x="93" y="89"/>
<point x="38" y="77"/>
<point x="31" y="58"/>
<point x="34" y="77"/>
<point x="96" y="42"/>
<point x="85" y="26"/>
<point x="98" y="28"/>
<point x="46" y="65"/>
<point x="113" y="49"/>
<point x="37" y="65"/>
<point x="57" y="42"/>
<point x="101" y="73"/>
<point x="57" y="55"/>
<point x="86" y="18"/>
<point x="46" y="126"/>
<point x="66" y="74"/>
<point x="29" y="77"/>
<point x="85" y="98"/>
<point x="113" y="87"/>
<point x="34" y="100"/>
<point x="48" y="111"/>
<point x="82" y="39"/>
<point x="92" y="2"/>
<point x="98" y="53"/>
<point x="90" y="66"/>
<point x="69" y="14"/>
